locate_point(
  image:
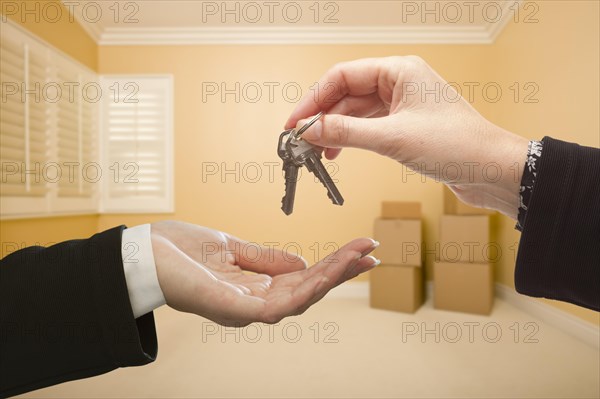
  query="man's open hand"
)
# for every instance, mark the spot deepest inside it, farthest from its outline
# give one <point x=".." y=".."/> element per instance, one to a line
<point x="235" y="283"/>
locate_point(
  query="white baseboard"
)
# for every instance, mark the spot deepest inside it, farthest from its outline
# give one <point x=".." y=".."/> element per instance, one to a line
<point x="566" y="322"/>
<point x="353" y="289"/>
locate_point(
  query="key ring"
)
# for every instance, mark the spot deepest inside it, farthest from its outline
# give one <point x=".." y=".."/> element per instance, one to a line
<point x="309" y="124"/>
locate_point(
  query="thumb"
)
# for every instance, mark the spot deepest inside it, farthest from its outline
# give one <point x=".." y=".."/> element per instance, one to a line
<point x="346" y="131"/>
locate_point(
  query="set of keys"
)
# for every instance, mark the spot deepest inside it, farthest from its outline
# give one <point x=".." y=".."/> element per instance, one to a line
<point x="296" y="153"/>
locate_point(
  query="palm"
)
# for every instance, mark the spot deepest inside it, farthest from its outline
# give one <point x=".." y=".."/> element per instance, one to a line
<point x="236" y="283"/>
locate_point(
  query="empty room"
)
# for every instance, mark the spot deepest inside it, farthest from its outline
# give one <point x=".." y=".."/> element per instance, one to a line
<point x="300" y="199"/>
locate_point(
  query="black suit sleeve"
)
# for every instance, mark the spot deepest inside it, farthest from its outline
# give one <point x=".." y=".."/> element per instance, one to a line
<point x="559" y="251"/>
<point x="65" y="315"/>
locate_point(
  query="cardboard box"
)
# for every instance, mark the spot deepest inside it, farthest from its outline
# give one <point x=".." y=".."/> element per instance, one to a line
<point x="465" y="239"/>
<point x="454" y="206"/>
<point x="400" y="241"/>
<point x="463" y="287"/>
<point x="398" y="288"/>
<point x="400" y="210"/>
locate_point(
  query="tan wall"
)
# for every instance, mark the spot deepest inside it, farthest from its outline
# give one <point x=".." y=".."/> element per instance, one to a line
<point x="72" y="39"/>
<point x="560" y="55"/>
<point x="17" y="234"/>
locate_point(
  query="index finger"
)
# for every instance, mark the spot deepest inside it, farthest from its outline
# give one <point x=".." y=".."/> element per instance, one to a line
<point x="356" y="78"/>
<point x="268" y="260"/>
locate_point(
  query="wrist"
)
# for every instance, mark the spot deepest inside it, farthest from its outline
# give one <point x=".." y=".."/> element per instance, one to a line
<point x="508" y="152"/>
<point x="160" y="252"/>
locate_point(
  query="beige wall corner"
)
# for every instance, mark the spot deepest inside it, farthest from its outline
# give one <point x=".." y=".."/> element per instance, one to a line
<point x="51" y="21"/>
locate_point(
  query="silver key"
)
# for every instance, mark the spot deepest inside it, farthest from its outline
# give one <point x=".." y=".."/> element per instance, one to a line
<point x="290" y="170"/>
<point x="303" y="153"/>
<point x="295" y="153"/>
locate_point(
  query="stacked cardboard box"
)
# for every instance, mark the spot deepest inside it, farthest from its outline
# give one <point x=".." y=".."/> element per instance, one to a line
<point x="463" y="278"/>
<point x="397" y="284"/>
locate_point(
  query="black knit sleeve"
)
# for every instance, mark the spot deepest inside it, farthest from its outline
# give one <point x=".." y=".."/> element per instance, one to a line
<point x="65" y="315"/>
<point x="559" y="250"/>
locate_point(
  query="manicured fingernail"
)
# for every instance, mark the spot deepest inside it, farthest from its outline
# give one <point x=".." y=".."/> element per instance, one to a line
<point x="376" y="262"/>
<point x="304" y="261"/>
<point x="374" y="244"/>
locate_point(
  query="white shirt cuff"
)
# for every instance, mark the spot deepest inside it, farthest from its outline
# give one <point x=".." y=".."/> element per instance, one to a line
<point x="145" y="294"/>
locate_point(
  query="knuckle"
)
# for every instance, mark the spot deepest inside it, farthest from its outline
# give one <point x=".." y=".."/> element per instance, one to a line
<point x="271" y="318"/>
<point x="413" y="63"/>
<point x="336" y="83"/>
<point x="394" y="59"/>
<point x="339" y="66"/>
<point x="338" y="131"/>
<point x="414" y="59"/>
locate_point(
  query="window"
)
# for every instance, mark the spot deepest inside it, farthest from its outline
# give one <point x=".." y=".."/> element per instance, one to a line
<point x="137" y="144"/>
<point x="72" y="142"/>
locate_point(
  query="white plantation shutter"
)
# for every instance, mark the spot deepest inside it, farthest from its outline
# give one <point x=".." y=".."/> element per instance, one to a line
<point x="90" y="153"/>
<point x="46" y="133"/>
<point x="68" y="133"/>
<point x="39" y="124"/>
<point x="137" y="132"/>
<point x="25" y="125"/>
<point x="76" y="139"/>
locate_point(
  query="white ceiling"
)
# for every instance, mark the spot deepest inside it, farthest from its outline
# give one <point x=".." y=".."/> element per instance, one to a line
<point x="140" y="22"/>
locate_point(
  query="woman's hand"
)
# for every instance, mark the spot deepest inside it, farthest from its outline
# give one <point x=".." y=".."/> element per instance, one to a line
<point x="401" y="108"/>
